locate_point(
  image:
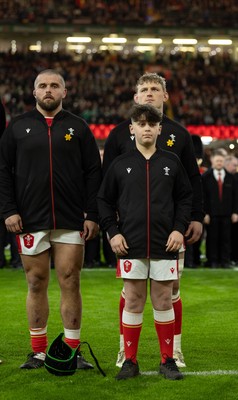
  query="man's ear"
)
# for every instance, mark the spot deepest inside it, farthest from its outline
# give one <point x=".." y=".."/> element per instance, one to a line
<point x="136" y="98"/>
<point x="159" y="129"/>
<point x="166" y="97"/>
<point x="131" y="129"/>
<point x="34" y="93"/>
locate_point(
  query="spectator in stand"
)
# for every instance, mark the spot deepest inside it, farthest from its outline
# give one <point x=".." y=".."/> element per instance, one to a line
<point x="221" y="209"/>
<point x="105" y="81"/>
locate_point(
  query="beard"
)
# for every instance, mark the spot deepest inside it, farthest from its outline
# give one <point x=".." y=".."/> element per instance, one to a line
<point x="49" y="104"/>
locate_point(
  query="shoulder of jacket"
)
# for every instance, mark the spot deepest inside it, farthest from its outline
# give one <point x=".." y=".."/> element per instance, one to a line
<point x="123" y="126"/>
<point x="174" y="124"/>
<point x="168" y="154"/>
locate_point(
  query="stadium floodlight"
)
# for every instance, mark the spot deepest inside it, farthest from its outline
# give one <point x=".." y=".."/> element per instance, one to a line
<point x="114" y="39"/>
<point x="185" y="41"/>
<point x="186" y="49"/>
<point x="35" y="47"/>
<point x="149" y="40"/>
<point x="116" y="47"/>
<point x="143" y="49"/>
<point x="76" y="47"/>
<point x="79" y="39"/>
<point x="223" y="42"/>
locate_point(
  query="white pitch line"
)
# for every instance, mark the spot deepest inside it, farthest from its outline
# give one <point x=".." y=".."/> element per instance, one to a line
<point x="201" y="373"/>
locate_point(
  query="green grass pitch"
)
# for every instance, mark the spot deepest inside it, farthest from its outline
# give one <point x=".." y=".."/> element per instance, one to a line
<point x="210" y="341"/>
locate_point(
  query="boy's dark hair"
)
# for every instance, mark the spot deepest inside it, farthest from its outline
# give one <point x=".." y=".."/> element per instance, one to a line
<point x="150" y="113"/>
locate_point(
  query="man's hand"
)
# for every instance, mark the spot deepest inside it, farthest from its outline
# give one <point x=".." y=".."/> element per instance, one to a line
<point x="90" y="229"/>
<point x="234" y="218"/>
<point x="194" y="232"/>
<point x="14" y="223"/>
<point x="175" y="241"/>
<point x="119" y="245"/>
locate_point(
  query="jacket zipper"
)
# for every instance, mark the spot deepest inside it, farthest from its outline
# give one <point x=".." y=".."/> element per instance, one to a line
<point x="51" y="179"/>
<point x="148" y="206"/>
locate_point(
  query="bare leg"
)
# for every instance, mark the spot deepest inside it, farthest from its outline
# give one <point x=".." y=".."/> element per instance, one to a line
<point x="68" y="260"/>
<point x="37" y="275"/>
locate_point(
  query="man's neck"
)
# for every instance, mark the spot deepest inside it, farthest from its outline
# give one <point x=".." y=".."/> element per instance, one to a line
<point x="50" y="114"/>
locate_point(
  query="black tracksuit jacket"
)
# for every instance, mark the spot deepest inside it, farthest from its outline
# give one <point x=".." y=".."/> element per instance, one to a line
<point x="50" y="176"/>
<point x="151" y="198"/>
<point x="175" y="138"/>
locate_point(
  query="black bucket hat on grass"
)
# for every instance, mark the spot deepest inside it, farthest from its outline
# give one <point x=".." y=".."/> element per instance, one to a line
<point x="61" y="359"/>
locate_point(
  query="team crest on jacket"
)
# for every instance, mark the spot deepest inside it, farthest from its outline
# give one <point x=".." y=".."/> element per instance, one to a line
<point x="171" y="141"/>
<point x="68" y="136"/>
<point x="28" y="240"/>
<point x="127" y="266"/>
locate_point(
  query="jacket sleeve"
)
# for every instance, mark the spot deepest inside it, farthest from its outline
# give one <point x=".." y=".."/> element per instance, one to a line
<point x="8" y="204"/>
<point x="189" y="162"/>
<point x="111" y="151"/>
<point x="183" y="200"/>
<point x="92" y="174"/>
<point x="2" y="119"/>
<point x="107" y="203"/>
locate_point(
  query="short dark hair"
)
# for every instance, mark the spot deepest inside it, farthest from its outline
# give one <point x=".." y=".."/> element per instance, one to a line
<point x="50" y="72"/>
<point x="150" y="113"/>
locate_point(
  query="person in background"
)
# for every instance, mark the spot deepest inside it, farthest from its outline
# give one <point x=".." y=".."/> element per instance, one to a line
<point x="99" y="247"/>
<point x="231" y="166"/>
<point x="221" y="210"/>
<point x="151" y="89"/>
<point x="192" y="253"/>
<point x="144" y="205"/>
<point x="50" y="173"/>
<point x="6" y="237"/>
<point x="2" y="224"/>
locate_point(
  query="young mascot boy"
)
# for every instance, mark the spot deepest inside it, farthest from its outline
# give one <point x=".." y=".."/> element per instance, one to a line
<point x="144" y="205"/>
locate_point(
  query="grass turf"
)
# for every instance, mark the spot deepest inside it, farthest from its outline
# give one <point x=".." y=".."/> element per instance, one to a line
<point x="210" y="299"/>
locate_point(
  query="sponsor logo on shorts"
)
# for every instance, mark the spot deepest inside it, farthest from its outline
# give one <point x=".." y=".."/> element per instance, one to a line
<point x="28" y="240"/>
<point x="127" y="266"/>
<point x="81" y="234"/>
<point x="172" y="270"/>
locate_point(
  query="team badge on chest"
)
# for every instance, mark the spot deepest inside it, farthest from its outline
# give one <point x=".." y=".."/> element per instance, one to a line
<point x="69" y="136"/>
<point x="170" y="142"/>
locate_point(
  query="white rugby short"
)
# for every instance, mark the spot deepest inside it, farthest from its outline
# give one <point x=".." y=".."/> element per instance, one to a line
<point x="35" y="243"/>
<point x="158" y="270"/>
<point x="181" y="259"/>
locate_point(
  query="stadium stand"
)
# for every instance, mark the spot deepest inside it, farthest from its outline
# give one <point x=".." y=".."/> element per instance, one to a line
<point x="203" y="13"/>
<point x="203" y="90"/>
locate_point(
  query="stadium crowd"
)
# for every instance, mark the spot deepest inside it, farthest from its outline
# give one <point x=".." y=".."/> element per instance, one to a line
<point x="203" y="90"/>
<point x="157" y="12"/>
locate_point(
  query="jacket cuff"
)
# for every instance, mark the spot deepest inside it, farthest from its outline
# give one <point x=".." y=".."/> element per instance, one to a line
<point x="113" y="231"/>
<point x="92" y="217"/>
<point x="178" y="226"/>
<point x="197" y="216"/>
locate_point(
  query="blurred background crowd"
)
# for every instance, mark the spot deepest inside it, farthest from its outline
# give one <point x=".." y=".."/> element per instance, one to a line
<point x="202" y="90"/>
<point x="167" y="13"/>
